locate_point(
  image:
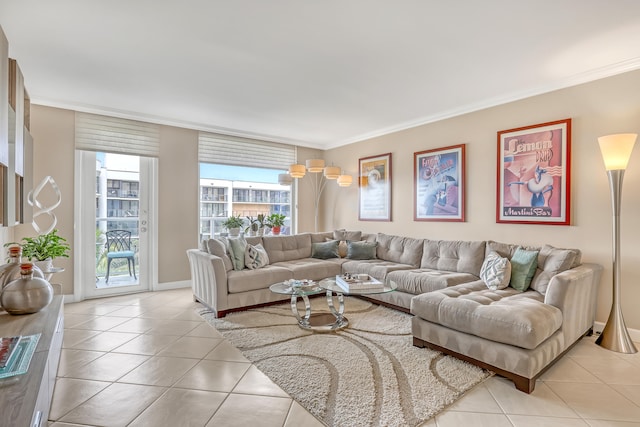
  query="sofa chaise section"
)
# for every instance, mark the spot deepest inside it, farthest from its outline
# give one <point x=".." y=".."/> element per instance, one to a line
<point x="516" y="334"/>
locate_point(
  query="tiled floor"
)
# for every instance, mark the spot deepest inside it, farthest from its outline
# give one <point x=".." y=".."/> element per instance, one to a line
<point x="150" y="360"/>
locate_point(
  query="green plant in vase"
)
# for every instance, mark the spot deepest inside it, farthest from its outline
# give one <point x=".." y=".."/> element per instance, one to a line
<point x="45" y="247"/>
<point x="233" y="224"/>
<point x="275" y="221"/>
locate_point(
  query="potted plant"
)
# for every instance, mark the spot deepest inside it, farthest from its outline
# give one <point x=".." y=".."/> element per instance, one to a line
<point x="41" y="250"/>
<point x="252" y="228"/>
<point x="262" y="223"/>
<point x="275" y="221"/>
<point x="233" y="224"/>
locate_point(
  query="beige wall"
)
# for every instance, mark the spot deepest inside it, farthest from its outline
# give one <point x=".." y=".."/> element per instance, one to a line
<point x="53" y="131"/>
<point x="178" y="199"/>
<point x="599" y="108"/>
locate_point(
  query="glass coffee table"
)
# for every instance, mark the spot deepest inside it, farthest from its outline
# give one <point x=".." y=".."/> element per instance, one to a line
<point x="304" y="289"/>
<point x="332" y="287"/>
<point x="322" y="322"/>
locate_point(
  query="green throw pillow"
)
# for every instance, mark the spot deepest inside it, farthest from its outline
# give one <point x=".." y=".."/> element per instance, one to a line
<point x="361" y="250"/>
<point x="523" y="267"/>
<point x="238" y="247"/>
<point x="325" y="250"/>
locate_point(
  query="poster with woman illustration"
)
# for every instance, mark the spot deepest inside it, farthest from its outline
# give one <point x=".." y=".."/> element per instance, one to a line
<point x="439" y="184"/>
<point x="375" y="188"/>
<point x="534" y="170"/>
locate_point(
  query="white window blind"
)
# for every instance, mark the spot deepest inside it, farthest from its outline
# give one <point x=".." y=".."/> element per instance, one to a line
<point x="115" y="135"/>
<point x="231" y="150"/>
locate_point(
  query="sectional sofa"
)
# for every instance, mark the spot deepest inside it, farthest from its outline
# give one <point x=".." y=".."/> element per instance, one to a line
<point x="444" y="284"/>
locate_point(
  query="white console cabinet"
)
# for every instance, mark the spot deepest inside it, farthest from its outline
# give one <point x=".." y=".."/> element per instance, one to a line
<point x="25" y="399"/>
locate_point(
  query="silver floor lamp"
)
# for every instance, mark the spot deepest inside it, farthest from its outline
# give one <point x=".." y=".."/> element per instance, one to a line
<point x="616" y="151"/>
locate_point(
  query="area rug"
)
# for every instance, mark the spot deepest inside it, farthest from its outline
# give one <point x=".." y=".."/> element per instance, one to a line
<point x="368" y="374"/>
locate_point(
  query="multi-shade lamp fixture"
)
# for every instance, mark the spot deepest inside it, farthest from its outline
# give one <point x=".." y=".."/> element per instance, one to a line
<point x="321" y="174"/>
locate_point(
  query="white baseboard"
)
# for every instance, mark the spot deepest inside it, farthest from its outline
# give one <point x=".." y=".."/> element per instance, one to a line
<point x="633" y="333"/>
<point x="172" y="285"/>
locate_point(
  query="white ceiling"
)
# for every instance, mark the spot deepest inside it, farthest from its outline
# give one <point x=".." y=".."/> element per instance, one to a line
<point x="314" y="73"/>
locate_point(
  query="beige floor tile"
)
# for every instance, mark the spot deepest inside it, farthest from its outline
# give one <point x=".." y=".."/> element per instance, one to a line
<point x="104" y="341"/>
<point x="70" y="358"/>
<point x="73" y="337"/>
<point x="587" y="347"/>
<point x="298" y="416"/>
<point x="611" y="371"/>
<point x="531" y="421"/>
<point x="147" y="344"/>
<point x="71" y="392"/>
<point x="94" y="309"/>
<point x="214" y="376"/>
<point x="567" y="369"/>
<point x="243" y="410"/>
<point x="116" y="405"/>
<point x="225" y="351"/>
<point x="256" y="382"/>
<point x="479" y="399"/>
<point x="631" y="392"/>
<point x="543" y="401"/>
<point x="177" y="406"/>
<point x="188" y="315"/>
<point x="72" y="319"/>
<point x="172" y="327"/>
<point x="472" y="419"/>
<point x="164" y="312"/>
<point x="159" y="371"/>
<point x="101" y="323"/>
<point x="136" y="325"/>
<point x="109" y="367"/>
<point x="205" y="330"/>
<point x="192" y="347"/>
<point x="601" y="423"/>
<point x="596" y="401"/>
<point x="128" y="311"/>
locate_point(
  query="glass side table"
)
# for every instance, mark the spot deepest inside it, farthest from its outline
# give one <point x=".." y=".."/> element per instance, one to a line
<point x="319" y="322"/>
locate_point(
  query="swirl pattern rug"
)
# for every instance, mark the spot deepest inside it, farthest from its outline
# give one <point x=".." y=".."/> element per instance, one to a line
<point x="368" y="374"/>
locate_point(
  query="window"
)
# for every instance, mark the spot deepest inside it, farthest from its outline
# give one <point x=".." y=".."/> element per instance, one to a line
<point x="253" y="191"/>
<point x="231" y="184"/>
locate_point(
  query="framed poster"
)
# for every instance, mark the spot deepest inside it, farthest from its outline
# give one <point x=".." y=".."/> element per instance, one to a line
<point x="534" y="173"/>
<point x="439" y="184"/>
<point x="375" y="188"/>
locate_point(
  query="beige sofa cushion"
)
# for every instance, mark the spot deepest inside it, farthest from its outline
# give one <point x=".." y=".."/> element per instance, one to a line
<point x="251" y="280"/>
<point x="551" y="261"/>
<point x="403" y="250"/>
<point x="373" y="267"/>
<point x="287" y="248"/>
<point x="218" y="248"/>
<point x="425" y="280"/>
<point x="311" y="268"/>
<point x="508" y="316"/>
<point x="453" y="255"/>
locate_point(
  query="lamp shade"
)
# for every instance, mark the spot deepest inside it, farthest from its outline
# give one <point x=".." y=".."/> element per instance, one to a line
<point x="315" y="165"/>
<point x="332" y="172"/>
<point x="345" y="180"/>
<point x="616" y="150"/>
<point x="297" y="171"/>
<point x="284" y="179"/>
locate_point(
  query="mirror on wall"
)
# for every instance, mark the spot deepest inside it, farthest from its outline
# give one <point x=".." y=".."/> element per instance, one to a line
<point x="15" y="162"/>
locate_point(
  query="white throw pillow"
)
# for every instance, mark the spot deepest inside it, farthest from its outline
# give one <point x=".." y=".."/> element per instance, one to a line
<point x="495" y="271"/>
<point x="255" y="257"/>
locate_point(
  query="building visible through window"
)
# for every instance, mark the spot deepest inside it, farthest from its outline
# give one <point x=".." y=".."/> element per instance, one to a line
<point x="240" y="191"/>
